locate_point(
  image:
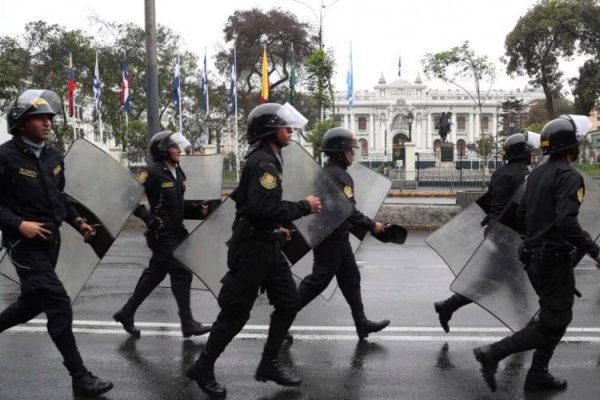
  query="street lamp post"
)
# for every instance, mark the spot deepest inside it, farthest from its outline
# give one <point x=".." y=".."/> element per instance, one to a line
<point x="322" y="13"/>
<point x="384" y="122"/>
<point x="410" y="118"/>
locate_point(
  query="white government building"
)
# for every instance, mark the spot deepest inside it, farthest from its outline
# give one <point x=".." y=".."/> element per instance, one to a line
<point x="379" y="118"/>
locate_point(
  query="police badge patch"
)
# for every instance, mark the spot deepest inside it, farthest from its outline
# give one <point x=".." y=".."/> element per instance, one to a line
<point x="268" y="181"/>
<point x="348" y="191"/>
<point x="580" y="194"/>
<point x="142" y="176"/>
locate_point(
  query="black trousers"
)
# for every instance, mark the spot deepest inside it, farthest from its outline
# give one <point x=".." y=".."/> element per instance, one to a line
<point x="554" y="282"/>
<point x="254" y="263"/>
<point x="162" y="263"/>
<point x="42" y="292"/>
<point x="334" y="257"/>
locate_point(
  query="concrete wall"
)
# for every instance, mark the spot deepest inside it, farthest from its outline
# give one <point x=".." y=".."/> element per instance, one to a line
<point x="417" y="216"/>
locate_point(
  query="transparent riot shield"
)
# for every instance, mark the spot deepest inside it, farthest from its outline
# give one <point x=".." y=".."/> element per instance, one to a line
<point x="495" y="279"/>
<point x="204" y="184"/>
<point x="303" y="176"/>
<point x="370" y="190"/>
<point x="105" y="193"/>
<point x="457" y="240"/>
<point x="204" y="251"/>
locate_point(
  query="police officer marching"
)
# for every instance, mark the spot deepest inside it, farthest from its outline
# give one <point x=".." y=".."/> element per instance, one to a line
<point x="164" y="182"/>
<point x="496" y="202"/>
<point x="32" y="209"/>
<point x="334" y="256"/>
<point x="254" y="257"/>
<point x="548" y="211"/>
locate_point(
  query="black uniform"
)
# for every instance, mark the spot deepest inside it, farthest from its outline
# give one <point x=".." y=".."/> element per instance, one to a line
<point x="549" y="210"/>
<point x="334" y="256"/>
<point x="254" y="257"/>
<point x="503" y="185"/>
<point x="165" y="197"/>
<point x="31" y="189"/>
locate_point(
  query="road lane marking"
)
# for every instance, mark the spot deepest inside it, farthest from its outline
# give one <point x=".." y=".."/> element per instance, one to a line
<point x="263" y="336"/>
<point x="321" y="333"/>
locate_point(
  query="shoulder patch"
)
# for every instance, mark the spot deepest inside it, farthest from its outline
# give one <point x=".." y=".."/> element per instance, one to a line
<point x="268" y="181"/>
<point x="57" y="169"/>
<point x="142" y="177"/>
<point x="580" y="194"/>
<point x="348" y="191"/>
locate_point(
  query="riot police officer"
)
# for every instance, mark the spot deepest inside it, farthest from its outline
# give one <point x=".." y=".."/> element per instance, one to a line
<point x="164" y="182"/>
<point x="254" y="257"/>
<point x="503" y="185"/>
<point x="549" y="210"/>
<point x="32" y="209"/>
<point x="334" y="256"/>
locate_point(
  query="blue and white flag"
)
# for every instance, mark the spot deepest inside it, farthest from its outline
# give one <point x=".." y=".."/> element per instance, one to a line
<point x="350" y="81"/>
<point x="97" y="83"/>
<point x="232" y="87"/>
<point x="205" y="86"/>
<point x="177" y="87"/>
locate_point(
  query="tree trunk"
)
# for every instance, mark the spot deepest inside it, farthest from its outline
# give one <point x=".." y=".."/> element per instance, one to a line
<point x="549" y="102"/>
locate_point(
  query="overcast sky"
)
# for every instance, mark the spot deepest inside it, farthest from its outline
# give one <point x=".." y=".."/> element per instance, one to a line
<point x="380" y="30"/>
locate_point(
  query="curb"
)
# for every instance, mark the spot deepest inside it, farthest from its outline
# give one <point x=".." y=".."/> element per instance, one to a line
<point x="398" y="194"/>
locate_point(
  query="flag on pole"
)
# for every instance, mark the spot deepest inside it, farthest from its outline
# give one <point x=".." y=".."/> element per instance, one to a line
<point x="125" y="97"/>
<point x="399" y="65"/>
<point x="177" y="86"/>
<point x="71" y="87"/>
<point x="293" y="79"/>
<point x="97" y="83"/>
<point x="205" y="86"/>
<point x="350" y="81"/>
<point x="232" y="86"/>
<point x="264" y="92"/>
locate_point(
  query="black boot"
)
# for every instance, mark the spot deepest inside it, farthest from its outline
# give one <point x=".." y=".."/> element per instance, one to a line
<point x="489" y="365"/>
<point x="191" y="327"/>
<point x="125" y="317"/>
<point x="270" y="370"/>
<point x="446" y="308"/>
<point x="364" y="327"/>
<point x="541" y="379"/>
<point x="203" y="373"/>
<point x="84" y="382"/>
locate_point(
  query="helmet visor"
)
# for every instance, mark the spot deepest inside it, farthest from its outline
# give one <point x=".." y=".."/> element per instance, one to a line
<point x="180" y="141"/>
<point x="582" y="123"/>
<point x="30" y="100"/>
<point x="292" y="116"/>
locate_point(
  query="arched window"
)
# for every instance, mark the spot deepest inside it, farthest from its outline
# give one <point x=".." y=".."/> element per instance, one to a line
<point x="461" y="147"/>
<point x="437" y="144"/>
<point x="364" y="147"/>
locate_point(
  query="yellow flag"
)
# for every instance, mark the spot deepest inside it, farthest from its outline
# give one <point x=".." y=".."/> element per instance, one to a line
<point x="264" y="93"/>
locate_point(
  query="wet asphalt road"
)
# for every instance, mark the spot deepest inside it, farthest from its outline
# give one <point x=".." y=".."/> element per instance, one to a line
<point x="413" y="359"/>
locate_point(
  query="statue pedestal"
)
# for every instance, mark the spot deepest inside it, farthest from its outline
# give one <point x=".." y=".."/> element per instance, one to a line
<point x="447" y="152"/>
<point x="409" y="165"/>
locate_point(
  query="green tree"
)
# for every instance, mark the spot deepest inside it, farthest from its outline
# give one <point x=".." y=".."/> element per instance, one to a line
<point x="586" y="89"/>
<point x="315" y="137"/>
<point x="320" y="68"/>
<point x="249" y="31"/>
<point x="544" y="35"/>
<point x="485" y="146"/>
<point x="538" y="114"/>
<point x="461" y="64"/>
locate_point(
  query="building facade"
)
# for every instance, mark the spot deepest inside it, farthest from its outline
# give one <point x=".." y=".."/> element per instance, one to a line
<point x="379" y="117"/>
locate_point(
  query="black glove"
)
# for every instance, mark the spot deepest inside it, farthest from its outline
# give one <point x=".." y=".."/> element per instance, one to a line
<point x="153" y="222"/>
<point x="141" y="212"/>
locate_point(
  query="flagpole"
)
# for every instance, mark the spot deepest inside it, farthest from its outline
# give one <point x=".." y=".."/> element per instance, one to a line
<point x="235" y="121"/>
<point x="206" y="76"/>
<point x="97" y="103"/>
<point x="180" y="98"/>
